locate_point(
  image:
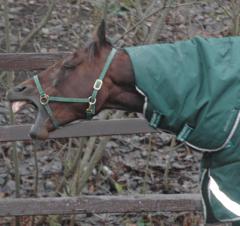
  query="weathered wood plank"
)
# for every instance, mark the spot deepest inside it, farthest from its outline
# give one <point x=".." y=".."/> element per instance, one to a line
<point x="81" y="129"/>
<point x="28" y="61"/>
<point x="100" y="204"/>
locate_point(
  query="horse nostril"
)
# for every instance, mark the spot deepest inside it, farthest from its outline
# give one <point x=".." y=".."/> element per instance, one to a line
<point x="19" y="88"/>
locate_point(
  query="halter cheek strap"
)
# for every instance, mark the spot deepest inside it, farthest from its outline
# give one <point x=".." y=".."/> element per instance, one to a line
<point x="91" y="101"/>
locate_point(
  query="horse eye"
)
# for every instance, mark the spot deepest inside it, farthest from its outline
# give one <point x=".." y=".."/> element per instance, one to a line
<point x="69" y="66"/>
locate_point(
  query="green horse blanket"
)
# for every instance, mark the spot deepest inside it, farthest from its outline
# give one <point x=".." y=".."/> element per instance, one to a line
<point x="192" y="88"/>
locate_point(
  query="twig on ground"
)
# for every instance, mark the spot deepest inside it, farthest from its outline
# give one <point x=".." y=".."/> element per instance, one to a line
<point x="35" y="149"/>
<point x="97" y="155"/>
<point x="69" y="171"/>
<point x="171" y="150"/>
<point x="146" y="171"/>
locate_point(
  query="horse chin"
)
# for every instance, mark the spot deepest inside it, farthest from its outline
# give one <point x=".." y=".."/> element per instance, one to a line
<point x="39" y="129"/>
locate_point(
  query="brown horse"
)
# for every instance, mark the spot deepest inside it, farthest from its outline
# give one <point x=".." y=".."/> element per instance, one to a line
<point x="74" y="77"/>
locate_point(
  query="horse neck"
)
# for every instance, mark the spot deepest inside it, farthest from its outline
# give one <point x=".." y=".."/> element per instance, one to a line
<point x="122" y="91"/>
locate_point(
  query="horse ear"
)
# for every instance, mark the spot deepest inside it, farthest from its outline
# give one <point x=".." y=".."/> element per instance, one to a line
<point x="101" y="34"/>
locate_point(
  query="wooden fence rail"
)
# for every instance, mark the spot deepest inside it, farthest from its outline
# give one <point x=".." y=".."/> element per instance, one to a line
<point x="100" y="204"/>
<point x="81" y="129"/>
<point x="28" y="61"/>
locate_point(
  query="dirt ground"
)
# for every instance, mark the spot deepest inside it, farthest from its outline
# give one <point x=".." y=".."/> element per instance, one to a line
<point x="137" y="164"/>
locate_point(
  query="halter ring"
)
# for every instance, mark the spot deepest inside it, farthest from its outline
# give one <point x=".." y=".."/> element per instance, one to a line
<point x="44" y="99"/>
<point x="92" y="102"/>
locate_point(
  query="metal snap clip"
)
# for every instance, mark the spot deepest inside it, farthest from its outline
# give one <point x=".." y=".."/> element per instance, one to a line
<point x="44" y="99"/>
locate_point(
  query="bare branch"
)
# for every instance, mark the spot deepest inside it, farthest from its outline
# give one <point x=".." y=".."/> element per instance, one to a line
<point x="159" y="22"/>
<point x="41" y="24"/>
<point x="7" y="26"/>
<point x="152" y="14"/>
<point x="140" y="14"/>
<point x="105" y="10"/>
<point x="10" y="79"/>
<point x="137" y="24"/>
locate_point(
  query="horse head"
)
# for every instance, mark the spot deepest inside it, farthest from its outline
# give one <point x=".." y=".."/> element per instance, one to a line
<point x="87" y="81"/>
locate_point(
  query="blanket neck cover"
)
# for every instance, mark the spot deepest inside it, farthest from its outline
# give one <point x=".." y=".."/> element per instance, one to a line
<point x="192" y="89"/>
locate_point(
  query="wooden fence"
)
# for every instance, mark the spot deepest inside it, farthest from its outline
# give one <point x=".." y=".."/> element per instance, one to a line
<point x="84" y="204"/>
<point x="100" y="204"/>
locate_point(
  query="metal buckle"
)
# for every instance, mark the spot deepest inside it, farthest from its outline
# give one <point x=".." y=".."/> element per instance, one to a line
<point x="98" y="84"/>
<point x="44" y="99"/>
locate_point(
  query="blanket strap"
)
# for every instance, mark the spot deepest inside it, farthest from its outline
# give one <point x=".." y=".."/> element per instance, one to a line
<point x="184" y="133"/>
<point x="155" y="119"/>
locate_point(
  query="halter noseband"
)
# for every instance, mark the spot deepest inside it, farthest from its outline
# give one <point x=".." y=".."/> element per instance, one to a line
<point x="91" y="101"/>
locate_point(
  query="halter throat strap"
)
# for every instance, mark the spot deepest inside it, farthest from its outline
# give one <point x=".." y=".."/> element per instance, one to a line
<point x="91" y="101"/>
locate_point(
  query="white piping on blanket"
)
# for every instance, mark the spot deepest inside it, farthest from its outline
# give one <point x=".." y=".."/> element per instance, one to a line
<point x="203" y="201"/>
<point x="145" y="100"/>
<point x="232" y="132"/>
<point x="223" y="198"/>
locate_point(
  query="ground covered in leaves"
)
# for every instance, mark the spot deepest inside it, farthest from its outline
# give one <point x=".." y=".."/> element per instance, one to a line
<point x="137" y="164"/>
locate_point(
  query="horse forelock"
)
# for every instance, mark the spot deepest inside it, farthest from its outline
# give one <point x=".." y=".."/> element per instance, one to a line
<point x="91" y="49"/>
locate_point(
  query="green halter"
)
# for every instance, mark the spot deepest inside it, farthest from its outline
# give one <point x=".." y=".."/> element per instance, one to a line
<point x="91" y="101"/>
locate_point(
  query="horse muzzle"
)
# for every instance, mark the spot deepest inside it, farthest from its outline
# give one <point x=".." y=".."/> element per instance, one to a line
<point x="22" y="95"/>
